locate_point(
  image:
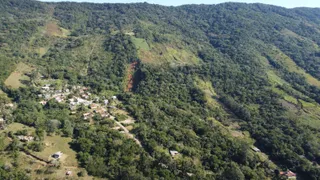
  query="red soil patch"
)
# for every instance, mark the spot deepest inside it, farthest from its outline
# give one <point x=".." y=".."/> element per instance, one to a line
<point x="130" y="76"/>
<point x="52" y="29"/>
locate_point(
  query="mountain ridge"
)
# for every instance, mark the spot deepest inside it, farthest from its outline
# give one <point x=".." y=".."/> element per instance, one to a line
<point x="211" y="91"/>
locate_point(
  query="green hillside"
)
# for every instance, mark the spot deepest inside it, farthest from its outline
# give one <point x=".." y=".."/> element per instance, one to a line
<point x="141" y="91"/>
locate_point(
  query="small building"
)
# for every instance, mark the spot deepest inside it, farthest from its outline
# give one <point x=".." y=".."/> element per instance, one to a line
<point x="43" y="102"/>
<point x="57" y="155"/>
<point x="2" y="123"/>
<point x="46" y="88"/>
<point x="59" y="99"/>
<point x="93" y="106"/>
<point x="255" y="149"/>
<point x="104" y="114"/>
<point x="289" y="174"/>
<point x="114" y="97"/>
<point x="174" y="153"/>
<point x="85" y="96"/>
<point x="190" y="174"/>
<point x="47" y="96"/>
<point x="9" y="105"/>
<point x="86" y="116"/>
<point x="25" y="138"/>
<point x="69" y="173"/>
<point x="106" y="102"/>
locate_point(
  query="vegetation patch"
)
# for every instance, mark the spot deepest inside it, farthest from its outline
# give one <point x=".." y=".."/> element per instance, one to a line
<point x="141" y="44"/>
<point x="167" y="53"/>
<point x="210" y="94"/>
<point x="293" y="67"/>
<point x="18" y="77"/>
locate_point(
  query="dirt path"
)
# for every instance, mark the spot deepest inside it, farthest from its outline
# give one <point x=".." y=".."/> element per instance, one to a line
<point x="126" y="131"/>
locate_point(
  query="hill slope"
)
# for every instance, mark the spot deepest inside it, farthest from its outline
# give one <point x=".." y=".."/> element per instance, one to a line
<point x="209" y="81"/>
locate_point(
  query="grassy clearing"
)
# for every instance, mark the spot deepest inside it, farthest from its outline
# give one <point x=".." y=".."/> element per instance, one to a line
<point x="14" y="127"/>
<point x="293" y="67"/>
<point x="290" y="33"/>
<point x="140" y="43"/>
<point x="52" y="29"/>
<point x="309" y="115"/>
<point x="167" y="53"/>
<point x="37" y="169"/>
<point x="58" y="143"/>
<point x="15" y="79"/>
<point x="209" y="92"/>
<point x="42" y="51"/>
<point x="53" y="144"/>
<point x="274" y="78"/>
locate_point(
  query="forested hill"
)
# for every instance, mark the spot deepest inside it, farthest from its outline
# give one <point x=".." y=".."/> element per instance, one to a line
<point x="141" y="91"/>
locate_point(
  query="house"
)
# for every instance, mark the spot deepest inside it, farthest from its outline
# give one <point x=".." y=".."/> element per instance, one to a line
<point x="43" y="102"/>
<point x="59" y="99"/>
<point x="47" y="96"/>
<point x="46" y="88"/>
<point x="289" y="174"/>
<point x="9" y="105"/>
<point x="85" y="96"/>
<point x="86" y="116"/>
<point x="255" y="149"/>
<point x="104" y="114"/>
<point x="93" y="106"/>
<point x="190" y="174"/>
<point x="57" y="155"/>
<point x="174" y="153"/>
<point x="2" y="123"/>
<point x="25" y="138"/>
<point x="69" y="173"/>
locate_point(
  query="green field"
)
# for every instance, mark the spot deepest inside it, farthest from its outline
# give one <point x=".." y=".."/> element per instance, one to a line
<point x="140" y="43"/>
<point x="14" y="127"/>
<point x="16" y="78"/>
<point x="58" y="143"/>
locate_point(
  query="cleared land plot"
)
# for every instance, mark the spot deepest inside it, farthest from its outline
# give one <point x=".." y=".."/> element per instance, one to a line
<point x="18" y="76"/>
<point x="58" y="143"/>
<point x="14" y="127"/>
<point x="140" y="43"/>
<point x="52" y="29"/>
<point x="158" y="54"/>
<point x="293" y="67"/>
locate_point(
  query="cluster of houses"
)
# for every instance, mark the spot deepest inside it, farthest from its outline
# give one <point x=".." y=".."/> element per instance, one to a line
<point x="80" y="96"/>
<point x="3" y="120"/>
<point x="48" y="93"/>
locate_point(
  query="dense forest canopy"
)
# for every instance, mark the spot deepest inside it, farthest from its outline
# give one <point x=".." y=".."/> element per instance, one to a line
<point x="215" y="84"/>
